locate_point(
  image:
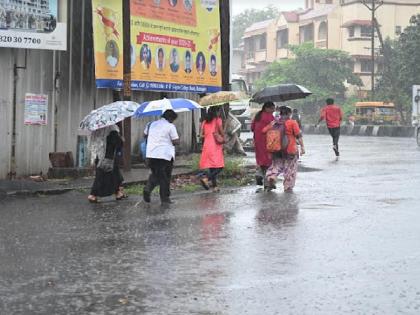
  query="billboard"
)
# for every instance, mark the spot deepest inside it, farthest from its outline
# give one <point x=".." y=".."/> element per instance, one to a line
<point x="175" y="45"/>
<point x="32" y="25"/>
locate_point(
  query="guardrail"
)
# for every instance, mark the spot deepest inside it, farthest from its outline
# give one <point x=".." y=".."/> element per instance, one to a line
<point x="365" y="130"/>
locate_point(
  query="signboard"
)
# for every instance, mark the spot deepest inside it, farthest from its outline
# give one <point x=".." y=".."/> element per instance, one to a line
<point x="175" y="45"/>
<point x="31" y="24"/>
<point x="36" y="109"/>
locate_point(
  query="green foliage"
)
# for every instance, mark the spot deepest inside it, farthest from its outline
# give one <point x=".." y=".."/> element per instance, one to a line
<point x="233" y="166"/>
<point x="323" y="71"/>
<point x="401" y="68"/>
<point x="249" y="17"/>
<point x="134" y="189"/>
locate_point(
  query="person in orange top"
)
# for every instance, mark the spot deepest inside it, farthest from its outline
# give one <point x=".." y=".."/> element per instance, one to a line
<point x="285" y="162"/>
<point x="333" y="115"/>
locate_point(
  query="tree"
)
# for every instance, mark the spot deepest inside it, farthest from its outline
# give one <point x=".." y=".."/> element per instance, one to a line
<point x="323" y="71"/>
<point x="401" y="69"/>
<point x="249" y="17"/>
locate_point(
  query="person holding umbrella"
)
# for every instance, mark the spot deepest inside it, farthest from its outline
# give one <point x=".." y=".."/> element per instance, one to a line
<point x="285" y="161"/>
<point x="263" y="158"/>
<point x="162" y="137"/>
<point x="106" y="145"/>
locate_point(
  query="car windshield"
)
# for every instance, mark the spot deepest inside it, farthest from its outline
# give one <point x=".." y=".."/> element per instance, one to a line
<point x="239" y="86"/>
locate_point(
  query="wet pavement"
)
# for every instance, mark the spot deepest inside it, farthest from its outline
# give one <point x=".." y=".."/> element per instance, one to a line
<point x="347" y="241"/>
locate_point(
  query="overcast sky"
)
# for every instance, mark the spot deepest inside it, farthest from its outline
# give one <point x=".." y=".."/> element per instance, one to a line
<point x="283" y="5"/>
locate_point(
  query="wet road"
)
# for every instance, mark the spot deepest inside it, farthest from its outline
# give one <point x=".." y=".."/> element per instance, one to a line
<point x="346" y="242"/>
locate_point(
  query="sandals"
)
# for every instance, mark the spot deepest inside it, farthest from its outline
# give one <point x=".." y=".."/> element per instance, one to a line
<point x="121" y="197"/>
<point x="93" y="199"/>
<point x="205" y="183"/>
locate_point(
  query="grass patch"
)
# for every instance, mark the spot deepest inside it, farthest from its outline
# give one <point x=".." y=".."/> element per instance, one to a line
<point x="234" y="166"/>
<point x="134" y="189"/>
<point x="191" y="188"/>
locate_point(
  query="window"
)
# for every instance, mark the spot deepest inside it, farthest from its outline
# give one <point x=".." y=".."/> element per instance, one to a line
<point x="322" y="31"/>
<point x="282" y="38"/>
<point x="351" y="31"/>
<point x="263" y="42"/>
<point x="365" y="31"/>
<point x="365" y="66"/>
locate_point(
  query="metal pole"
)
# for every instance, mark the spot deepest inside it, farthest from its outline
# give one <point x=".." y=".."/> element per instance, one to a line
<point x="127" y="82"/>
<point x="373" y="50"/>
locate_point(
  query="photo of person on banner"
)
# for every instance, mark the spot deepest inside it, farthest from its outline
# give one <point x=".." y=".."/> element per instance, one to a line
<point x="173" y="3"/>
<point x="174" y="65"/>
<point x="187" y="62"/>
<point x="145" y="56"/>
<point x="213" y="68"/>
<point x="112" y="53"/>
<point x="200" y="63"/>
<point x="160" y="59"/>
<point x="188" y="5"/>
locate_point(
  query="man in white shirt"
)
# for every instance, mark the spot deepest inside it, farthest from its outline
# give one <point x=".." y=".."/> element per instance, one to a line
<point x="160" y="152"/>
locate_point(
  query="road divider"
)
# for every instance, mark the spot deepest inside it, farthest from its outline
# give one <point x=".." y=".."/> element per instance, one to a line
<point x="364" y="130"/>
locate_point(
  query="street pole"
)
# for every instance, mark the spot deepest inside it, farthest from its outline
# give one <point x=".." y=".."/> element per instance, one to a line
<point x="127" y="82"/>
<point x="373" y="5"/>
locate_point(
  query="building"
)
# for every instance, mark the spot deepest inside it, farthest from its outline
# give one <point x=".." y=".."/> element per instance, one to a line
<point x="328" y="24"/>
<point x="25" y="14"/>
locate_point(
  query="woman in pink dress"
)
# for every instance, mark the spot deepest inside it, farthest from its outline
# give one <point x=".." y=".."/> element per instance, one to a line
<point x="263" y="118"/>
<point x="212" y="158"/>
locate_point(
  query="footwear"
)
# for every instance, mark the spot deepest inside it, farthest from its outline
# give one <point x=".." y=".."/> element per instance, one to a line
<point x="259" y="180"/>
<point x="93" y="199"/>
<point x="167" y="202"/>
<point x="146" y="196"/>
<point x="336" y="150"/>
<point x="205" y="183"/>
<point x="216" y="189"/>
<point x="121" y="196"/>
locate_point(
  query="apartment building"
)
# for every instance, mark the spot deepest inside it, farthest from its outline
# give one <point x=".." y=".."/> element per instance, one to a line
<point x="328" y="24"/>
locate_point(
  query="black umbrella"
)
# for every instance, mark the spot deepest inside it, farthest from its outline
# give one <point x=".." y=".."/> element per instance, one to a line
<point x="280" y="93"/>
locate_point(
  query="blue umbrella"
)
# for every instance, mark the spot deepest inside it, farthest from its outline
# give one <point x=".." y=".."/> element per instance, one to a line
<point x="157" y="108"/>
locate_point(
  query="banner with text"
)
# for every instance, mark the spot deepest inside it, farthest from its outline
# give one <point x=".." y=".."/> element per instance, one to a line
<point x="32" y="25"/>
<point x="175" y="46"/>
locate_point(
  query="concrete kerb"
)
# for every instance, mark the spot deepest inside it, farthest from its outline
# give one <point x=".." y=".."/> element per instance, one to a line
<point x="365" y="130"/>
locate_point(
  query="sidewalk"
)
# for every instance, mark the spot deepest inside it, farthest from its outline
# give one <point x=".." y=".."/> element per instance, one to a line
<point x="55" y="186"/>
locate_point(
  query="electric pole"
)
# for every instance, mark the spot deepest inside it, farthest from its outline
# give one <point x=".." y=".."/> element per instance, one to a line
<point x="373" y="5"/>
<point x="127" y="82"/>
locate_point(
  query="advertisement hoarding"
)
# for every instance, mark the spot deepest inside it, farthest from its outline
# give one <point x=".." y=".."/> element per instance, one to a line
<point x="175" y="45"/>
<point x="32" y="25"/>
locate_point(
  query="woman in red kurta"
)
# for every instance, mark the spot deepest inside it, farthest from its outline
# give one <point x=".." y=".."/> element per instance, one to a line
<point x="263" y="118"/>
<point x="212" y="155"/>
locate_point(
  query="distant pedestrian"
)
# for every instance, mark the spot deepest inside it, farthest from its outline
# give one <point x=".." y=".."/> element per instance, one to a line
<point x="160" y="154"/>
<point x="296" y="117"/>
<point x="212" y="158"/>
<point x="106" y="146"/>
<point x="333" y="115"/>
<point x="263" y="158"/>
<point x="285" y="161"/>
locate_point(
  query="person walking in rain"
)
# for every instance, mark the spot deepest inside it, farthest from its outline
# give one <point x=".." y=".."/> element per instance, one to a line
<point x="160" y="154"/>
<point x="106" y="145"/>
<point x="333" y="116"/>
<point x="285" y="161"/>
<point x="212" y="158"/>
<point x="263" y="158"/>
<point x="296" y="116"/>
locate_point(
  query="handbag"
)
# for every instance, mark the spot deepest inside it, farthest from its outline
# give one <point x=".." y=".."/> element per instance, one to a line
<point x="143" y="143"/>
<point x="107" y="165"/>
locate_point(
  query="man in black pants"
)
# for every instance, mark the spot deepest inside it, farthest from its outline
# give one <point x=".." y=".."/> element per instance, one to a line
<point x="160" y="153"/>
<point x="333" y="115"/>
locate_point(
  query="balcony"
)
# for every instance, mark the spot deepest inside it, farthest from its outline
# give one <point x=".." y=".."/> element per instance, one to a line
<point x="321" y="44"/>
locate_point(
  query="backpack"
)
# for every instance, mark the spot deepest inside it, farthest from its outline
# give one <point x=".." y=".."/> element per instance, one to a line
<point x="277" y="140"/>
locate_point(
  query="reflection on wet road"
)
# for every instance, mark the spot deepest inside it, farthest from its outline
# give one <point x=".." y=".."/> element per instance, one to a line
<point x="347" y="241"/>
